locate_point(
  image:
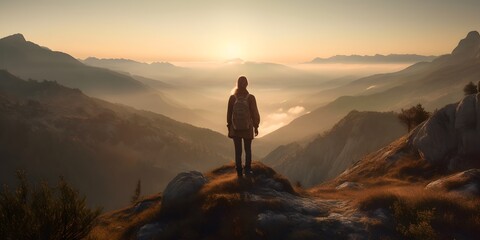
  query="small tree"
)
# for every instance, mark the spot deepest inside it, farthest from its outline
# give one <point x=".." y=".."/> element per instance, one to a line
<point x="470" y="88"/>
<point x="413" y="116"/>
<point x="44" y="212"/>
<point x="138" y="191"/>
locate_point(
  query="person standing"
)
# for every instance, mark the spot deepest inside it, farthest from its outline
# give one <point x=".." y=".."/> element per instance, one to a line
<point x="243" y="119"/>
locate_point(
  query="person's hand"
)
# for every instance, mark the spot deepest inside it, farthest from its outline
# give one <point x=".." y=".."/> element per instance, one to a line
<point x="256" y="132"/>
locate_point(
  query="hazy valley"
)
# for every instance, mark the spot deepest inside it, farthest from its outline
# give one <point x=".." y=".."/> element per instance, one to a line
<point x="333" y="159"/>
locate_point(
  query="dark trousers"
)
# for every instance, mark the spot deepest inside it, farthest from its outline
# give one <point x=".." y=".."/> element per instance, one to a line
<point x="238" y="152"/>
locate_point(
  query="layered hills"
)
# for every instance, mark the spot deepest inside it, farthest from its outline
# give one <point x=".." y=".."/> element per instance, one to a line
<point x="329" y="154"/>
<point x="101" y="148"/>
<point x="433" y="84"/>
<point x="28" y="60"/>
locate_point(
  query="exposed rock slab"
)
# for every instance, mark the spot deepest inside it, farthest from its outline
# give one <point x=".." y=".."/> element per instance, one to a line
<point x="466" y="183"/>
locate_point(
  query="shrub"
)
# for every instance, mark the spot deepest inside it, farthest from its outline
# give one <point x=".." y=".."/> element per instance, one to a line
<point x="413" y="223"/>
<point x="470" y="88"/>
<point x="44" y="212"/>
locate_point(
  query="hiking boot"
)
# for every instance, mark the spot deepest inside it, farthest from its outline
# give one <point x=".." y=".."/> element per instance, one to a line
<point x="239" y="174"/>
<point x="248" y="172"/>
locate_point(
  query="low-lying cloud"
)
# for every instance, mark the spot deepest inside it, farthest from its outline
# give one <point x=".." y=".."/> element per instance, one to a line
<point x="280" y="118"/>
<point x="296" y="110"/>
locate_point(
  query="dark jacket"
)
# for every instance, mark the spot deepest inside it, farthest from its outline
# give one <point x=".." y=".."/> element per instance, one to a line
<point x="248" y="134"/>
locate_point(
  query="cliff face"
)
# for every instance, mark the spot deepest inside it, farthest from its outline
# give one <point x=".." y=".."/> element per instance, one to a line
<point x="357" y="134"/>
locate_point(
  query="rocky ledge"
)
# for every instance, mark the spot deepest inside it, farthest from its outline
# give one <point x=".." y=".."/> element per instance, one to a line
<point x="218" y="205"/>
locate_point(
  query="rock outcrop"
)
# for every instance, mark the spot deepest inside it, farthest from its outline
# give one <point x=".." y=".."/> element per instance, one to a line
<point x="451" y="137"/>
<point x="469" y="47"/>
<point x="182" y="187"/>
<point x="264" y="206"/>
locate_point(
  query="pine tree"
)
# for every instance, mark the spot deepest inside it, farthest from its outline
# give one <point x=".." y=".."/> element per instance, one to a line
<point x="138" y="191"/>
<point x="413" y="116"/>
<point x="44" y="212"/>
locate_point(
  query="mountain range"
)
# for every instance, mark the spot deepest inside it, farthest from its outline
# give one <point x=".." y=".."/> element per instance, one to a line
<point x="432" y="84"/>
<point x="157" y="70"/>
<point x="101" y="148"/>
<point x="375" y="59"/>
<point x="28" y="60"/>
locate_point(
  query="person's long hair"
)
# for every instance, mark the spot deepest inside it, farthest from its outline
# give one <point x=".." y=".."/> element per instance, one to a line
<point x="242" y="84"/>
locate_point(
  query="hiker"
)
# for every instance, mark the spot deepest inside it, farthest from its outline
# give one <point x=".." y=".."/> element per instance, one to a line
<point x="242" y="123"/>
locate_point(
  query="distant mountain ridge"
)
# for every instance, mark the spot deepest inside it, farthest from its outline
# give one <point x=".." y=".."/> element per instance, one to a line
<point x="157" y="70"/>
<point x="29" y="60"/>
<point x="377" y="58"/>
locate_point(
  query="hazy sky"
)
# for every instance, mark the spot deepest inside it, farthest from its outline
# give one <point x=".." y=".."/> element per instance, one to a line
<point x="208" y="30"/>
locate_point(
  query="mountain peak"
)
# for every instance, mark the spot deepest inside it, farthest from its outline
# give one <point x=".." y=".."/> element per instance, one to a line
<point x="469" y="46"/>
<point x="18" y="37"/>
<point x="473" y="35"/>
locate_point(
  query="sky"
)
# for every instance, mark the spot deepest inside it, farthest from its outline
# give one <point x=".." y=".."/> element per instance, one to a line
<point x="266" y="31"/>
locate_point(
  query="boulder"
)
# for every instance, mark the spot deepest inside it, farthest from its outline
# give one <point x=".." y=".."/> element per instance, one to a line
<point x="183" y="186"/>
<point x="451" y="136"/>
<point x="149" y="231"/>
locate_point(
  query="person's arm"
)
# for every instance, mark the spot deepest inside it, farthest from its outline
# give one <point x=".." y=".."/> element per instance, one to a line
<point x="254" y="113"/>
<point x="229" y="110"/>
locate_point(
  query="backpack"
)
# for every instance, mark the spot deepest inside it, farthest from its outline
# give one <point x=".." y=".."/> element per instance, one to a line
<point x="241" y="118"/>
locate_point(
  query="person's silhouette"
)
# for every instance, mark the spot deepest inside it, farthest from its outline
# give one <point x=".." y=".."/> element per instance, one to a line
<point x="242" y="123"/>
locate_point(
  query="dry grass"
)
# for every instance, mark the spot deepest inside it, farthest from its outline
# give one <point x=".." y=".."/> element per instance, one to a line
<point x="395" y="164"/>
<point x="224" y="208"/>
<point x="224" y="179"/>
<point x="412" y="211"/>
<point x="124" y="223"/>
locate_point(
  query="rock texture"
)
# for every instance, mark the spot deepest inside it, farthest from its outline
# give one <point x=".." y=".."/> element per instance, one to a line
<point x="451" y="137"/>
<point x="264" y="206"/>
<point x="183" y="186"/>
<point x="465" y="183"/>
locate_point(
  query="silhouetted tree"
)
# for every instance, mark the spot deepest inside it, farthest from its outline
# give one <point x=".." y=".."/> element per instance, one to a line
<point x="138" y="191"/>
<point x="413" y="116"/>
<point x="44" y="212"/>
<point x="470" y="88"/>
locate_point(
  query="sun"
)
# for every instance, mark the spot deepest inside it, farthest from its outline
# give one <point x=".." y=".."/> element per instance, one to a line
<point x="233" y="50"/>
